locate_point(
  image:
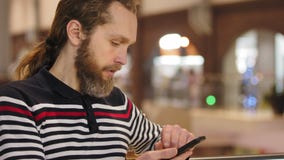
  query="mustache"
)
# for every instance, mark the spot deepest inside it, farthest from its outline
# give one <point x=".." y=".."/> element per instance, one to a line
<point x="114" y="67"/>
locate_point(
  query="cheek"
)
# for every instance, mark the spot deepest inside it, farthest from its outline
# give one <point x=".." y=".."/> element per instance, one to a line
<point x="103" y="52"/>
<point x="98" y="59"/>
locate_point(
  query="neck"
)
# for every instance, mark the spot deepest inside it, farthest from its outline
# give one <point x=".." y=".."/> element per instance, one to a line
<point x="64" y="68"/>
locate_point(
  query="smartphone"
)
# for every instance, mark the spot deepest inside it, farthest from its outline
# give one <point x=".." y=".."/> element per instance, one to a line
<point x="190" y="145"/>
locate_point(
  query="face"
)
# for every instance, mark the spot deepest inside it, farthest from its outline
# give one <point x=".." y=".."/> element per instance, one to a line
<point x="105" y="51"/>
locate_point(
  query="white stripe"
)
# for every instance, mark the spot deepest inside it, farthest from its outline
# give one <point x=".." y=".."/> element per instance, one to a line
<point x="108" y="107"/>
<point x="63" y="121"/>
<point x="21" y="153"/>
<point x="120" y="122"/>
<point x="20" y="136"/>
<point x="18" y="127"/>
<point x="12" y="100"/>
<point x="84" y="152"/>
<point x="54" y="129"/>
<point x="15" y="118"/>
<point x="64" y="136"/>
<point x="66" y="121"/>
<point x="83" y="129"/>
<point x="111" y="128"/>
<point x="138" y="130"/>
<point x="79" y="136"/>
<point x="82" y="144"/>
<point x="22" y="145"/>
<point x="114" y="121"/>
<point x="62" y="106"/>
<point x="112" y="135"/>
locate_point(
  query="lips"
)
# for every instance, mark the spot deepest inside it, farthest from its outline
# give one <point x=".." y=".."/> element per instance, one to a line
<point x="113" y="70"/>
<point x="110" y="70"/>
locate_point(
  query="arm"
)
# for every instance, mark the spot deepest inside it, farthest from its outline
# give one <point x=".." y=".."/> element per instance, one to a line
<point x="144" y="133"/>
<point x="173" y="137"/>
<point x="164" y="141"/>
<point x="19" y="138"/>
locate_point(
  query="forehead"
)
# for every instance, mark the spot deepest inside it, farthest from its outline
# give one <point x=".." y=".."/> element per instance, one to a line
<point x="122" y="22"/>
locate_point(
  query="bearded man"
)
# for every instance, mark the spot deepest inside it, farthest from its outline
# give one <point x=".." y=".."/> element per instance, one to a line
<point x="65" y="105"/>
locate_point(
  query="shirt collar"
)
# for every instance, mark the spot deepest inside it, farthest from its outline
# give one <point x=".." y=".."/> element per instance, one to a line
<point x="55" y="84"/>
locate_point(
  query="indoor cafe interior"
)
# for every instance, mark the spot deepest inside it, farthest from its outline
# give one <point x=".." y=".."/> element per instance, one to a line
<point x="214" y="67"/>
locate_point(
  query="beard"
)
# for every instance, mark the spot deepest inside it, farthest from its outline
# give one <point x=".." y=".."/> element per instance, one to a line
<point x="90" y="75"/>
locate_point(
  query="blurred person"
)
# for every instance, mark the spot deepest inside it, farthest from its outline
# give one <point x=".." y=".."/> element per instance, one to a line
<point x="65" y="105"/>
<point x="194" y="88"/>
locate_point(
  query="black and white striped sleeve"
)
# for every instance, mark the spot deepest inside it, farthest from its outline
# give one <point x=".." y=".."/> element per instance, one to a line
<point x="19" y="137"/>
<point x="144" y="132"/>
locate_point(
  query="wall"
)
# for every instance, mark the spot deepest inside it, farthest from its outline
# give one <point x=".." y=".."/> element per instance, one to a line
<point x="229" y="22"/>
<point x="23" y="15"/>
<point x="4" y="40"/>
<point x="233" y="20"/>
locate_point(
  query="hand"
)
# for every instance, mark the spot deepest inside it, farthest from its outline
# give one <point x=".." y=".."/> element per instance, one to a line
<point x="173" y="136"/>
<point x="158" y="154"/>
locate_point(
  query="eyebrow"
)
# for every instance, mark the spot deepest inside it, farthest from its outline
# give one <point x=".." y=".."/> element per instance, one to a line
<point x="122" y="38"/>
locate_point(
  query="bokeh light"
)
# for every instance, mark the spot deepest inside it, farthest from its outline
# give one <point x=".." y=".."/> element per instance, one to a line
<point x="211" y="100"/>
<point x="184" y="41"/>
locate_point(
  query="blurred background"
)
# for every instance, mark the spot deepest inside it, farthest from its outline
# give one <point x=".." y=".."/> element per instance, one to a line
<point x="215" y="67"/>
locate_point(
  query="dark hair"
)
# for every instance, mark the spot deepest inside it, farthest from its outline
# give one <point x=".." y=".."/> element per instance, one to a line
<point x="90" y="13"/>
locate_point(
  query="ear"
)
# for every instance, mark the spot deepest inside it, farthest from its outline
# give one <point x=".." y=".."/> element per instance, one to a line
<point x="75" y="32"/>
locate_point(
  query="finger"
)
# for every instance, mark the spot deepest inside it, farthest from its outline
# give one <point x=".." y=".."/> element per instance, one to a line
<point x="190" y="137"/>
<point x="159" y="145"/>
<point x="166" y="136"/>
<point x="158" y="154"/>
<point x="175" y="134"/>
<point x="183" y="137"/>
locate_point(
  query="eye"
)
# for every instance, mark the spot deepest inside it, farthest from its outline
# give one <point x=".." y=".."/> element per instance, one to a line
<point x="115" y="43"/>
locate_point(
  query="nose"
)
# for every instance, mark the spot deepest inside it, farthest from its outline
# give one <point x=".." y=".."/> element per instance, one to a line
<point x="121" y="57"/>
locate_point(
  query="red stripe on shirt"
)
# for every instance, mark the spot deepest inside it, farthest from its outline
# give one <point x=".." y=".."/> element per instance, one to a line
<point x="58" y="114"/>
<point x="15" y="110"/>
<point x="117" y="115"/>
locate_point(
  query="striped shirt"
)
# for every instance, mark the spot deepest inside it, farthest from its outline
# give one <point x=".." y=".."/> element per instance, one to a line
<point x="43" y="118"/>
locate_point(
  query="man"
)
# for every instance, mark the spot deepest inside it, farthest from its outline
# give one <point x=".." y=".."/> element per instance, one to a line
<point x="65" y="106"/>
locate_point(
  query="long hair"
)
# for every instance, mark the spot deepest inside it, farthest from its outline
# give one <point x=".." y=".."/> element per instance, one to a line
<point x="90" y="13"/>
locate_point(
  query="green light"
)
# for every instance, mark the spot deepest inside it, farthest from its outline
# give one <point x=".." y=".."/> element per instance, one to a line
<point x="210" y="100"/>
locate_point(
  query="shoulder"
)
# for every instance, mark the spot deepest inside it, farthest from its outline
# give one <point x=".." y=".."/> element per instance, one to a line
<point x="116" y="97"/>
<point x="17" y="90"/>
<point x="116" y="92"/>
<point x="11" y="89"/>
<point x="12" y="100"/>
